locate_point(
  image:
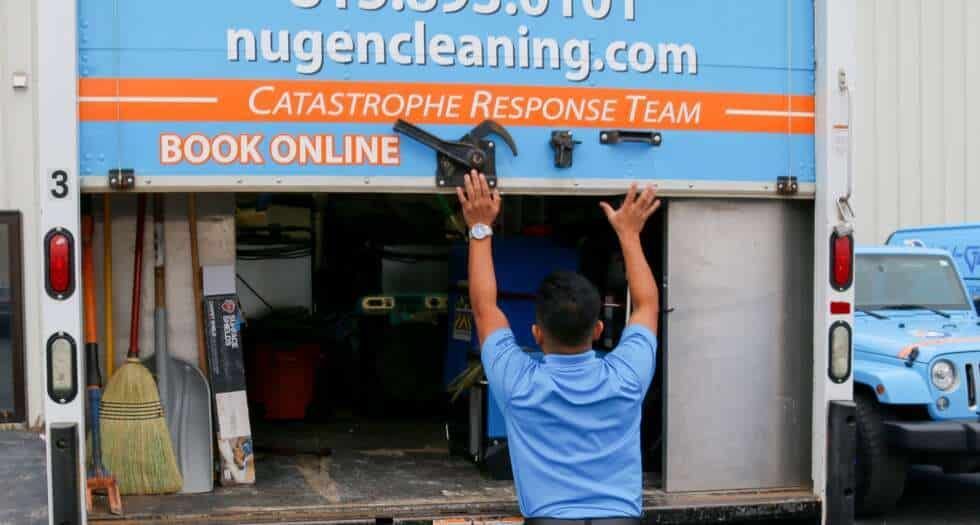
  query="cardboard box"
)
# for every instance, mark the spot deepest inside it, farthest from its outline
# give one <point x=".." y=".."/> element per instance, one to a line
<point x="226" y="365"/>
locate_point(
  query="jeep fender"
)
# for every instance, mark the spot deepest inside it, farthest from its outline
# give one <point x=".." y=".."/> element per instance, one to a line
<point x="903" y="385"/>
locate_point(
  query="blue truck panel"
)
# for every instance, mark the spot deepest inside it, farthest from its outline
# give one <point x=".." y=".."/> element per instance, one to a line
<point x="252" y="88"/>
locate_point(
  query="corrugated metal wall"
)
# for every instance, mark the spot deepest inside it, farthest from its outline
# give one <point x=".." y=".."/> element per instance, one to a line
<point x="917" y="111"/>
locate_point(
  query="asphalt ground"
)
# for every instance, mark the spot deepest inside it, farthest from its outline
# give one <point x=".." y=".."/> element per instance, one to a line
<point x="933" y="497"/>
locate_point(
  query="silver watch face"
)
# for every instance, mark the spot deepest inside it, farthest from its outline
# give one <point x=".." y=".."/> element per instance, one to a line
<point x="480" y="231"/>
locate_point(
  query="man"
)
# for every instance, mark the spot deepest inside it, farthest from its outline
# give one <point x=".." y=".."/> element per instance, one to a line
<point x="573" y="420"/>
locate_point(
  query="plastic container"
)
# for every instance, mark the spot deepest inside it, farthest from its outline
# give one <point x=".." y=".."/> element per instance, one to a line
<point x="284" y="378"/>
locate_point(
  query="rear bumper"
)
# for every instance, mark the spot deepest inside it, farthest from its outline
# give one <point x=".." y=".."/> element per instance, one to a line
<point x="934" y="436"/>
<point x="659" y="508"/>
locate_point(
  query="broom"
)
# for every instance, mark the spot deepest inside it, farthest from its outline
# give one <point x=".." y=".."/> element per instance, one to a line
<point x="136" y="443"/>
<point x="99" y="478"/>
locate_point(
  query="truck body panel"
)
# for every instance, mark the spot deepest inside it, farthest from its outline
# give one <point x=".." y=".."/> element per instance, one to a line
<point x="161" y="84"/>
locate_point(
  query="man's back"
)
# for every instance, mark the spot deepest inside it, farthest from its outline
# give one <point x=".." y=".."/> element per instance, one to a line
<point x="573" y="424"/>
<point x="573" y="421"/>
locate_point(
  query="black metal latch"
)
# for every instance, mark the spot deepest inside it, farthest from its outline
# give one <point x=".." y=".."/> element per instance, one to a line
<point x="563" y="143"/>
<point x="122" y="179"/>
<point x="474" y="151"/>
<point x="787" y="185"/>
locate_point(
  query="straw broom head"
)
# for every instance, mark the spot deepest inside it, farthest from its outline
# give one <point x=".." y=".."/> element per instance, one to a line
<point x="136" y="444"/>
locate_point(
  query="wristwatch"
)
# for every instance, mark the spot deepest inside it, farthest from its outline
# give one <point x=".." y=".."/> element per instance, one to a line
<point x="480" y="231"/>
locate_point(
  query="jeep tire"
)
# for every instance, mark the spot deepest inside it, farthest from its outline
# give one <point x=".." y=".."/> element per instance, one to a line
<point x="880" y="472"/>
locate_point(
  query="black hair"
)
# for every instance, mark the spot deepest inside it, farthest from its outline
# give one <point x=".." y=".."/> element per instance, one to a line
<point x="568" y="308"/>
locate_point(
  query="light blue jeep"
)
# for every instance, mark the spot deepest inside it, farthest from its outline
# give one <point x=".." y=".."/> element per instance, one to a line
<point x="916" y="360"/>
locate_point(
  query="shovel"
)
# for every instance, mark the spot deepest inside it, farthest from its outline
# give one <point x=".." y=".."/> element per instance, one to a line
<point x="184" y="391"/>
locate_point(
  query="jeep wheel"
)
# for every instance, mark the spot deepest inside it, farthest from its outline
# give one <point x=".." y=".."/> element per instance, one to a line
<point x="880" y="472"/>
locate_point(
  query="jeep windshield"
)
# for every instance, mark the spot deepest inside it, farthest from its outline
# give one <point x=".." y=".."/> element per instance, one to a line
<point x="908" y="282"/>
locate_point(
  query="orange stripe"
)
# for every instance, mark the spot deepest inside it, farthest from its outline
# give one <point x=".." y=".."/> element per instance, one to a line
<point x="628" y="107"/>
<point x="904" y="353"/>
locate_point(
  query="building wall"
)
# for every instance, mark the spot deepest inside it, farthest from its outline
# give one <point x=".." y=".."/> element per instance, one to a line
<point x="18" y="179"/>
<point x="917" y="115"/>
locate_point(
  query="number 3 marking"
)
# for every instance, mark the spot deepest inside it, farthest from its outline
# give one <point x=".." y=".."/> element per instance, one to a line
<point x="59" y="184"/>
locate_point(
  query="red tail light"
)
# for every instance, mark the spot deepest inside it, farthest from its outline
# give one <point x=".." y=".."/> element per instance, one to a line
<point x="841" y="261"/>
<point x="59" y="269"/>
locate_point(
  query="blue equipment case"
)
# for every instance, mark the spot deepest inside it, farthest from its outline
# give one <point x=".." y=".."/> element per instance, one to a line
<point x="521" y="264"/>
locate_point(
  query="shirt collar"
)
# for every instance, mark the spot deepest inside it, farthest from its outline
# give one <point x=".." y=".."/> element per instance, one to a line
<point x="569" y="359"/>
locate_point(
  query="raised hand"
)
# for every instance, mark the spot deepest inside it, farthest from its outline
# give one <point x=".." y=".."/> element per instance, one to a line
<point x="481" y="205"/>
<point x="632" y="215"/>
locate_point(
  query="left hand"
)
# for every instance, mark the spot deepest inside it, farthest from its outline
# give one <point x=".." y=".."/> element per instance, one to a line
<point x="480" y="204"/>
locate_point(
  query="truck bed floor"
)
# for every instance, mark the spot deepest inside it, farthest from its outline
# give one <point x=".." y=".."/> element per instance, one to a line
<point x="378" y="471"/>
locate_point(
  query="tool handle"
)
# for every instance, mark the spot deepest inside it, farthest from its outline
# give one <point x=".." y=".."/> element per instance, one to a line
<point x="134" y="318"/>
<point x="88" y="280"/>
<point x="107" y="283"/>
<point x="619" y="136"/>
<point x="159" y="254"/>
<point x="93" y="376"/>
<point x="94" y="402"/>
<point x="202" y="352"/>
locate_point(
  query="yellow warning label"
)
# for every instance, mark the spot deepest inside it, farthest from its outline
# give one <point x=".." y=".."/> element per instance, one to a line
<point x="463" y="321"/>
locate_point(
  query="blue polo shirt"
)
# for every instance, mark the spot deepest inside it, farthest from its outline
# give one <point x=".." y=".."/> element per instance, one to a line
<point x="573" y="424"/>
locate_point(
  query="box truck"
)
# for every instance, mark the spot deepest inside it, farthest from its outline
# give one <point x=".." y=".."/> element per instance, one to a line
<point x="323" y="140"/>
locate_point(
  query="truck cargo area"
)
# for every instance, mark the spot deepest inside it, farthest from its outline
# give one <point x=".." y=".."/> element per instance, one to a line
<point x="356" y="326"/>
<point x="357" y="333"/>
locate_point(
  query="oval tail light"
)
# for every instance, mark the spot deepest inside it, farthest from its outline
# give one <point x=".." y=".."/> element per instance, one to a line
<point x="841" y="261"/>
<point x="59" y="267"/>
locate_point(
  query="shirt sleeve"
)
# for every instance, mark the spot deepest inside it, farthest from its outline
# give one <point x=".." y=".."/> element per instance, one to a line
<point x="505" y="363"/>
<point x="635" y="358"/>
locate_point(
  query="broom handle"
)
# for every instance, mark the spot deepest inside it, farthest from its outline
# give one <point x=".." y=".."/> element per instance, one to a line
<point x="134" y="319"/>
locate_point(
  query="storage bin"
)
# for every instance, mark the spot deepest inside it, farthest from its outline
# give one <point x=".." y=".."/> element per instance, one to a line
<point x="284" y="378"/>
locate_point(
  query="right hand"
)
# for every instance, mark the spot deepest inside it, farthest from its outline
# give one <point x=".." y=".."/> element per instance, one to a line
<point x="632" y="215"/>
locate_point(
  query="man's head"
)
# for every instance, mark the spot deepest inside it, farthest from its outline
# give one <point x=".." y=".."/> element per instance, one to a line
<point x="567" y="314"/>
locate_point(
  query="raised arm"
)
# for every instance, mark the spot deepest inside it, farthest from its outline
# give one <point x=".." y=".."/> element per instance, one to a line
<point x="480" y="208"/>
<point x="628" y="222"/>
